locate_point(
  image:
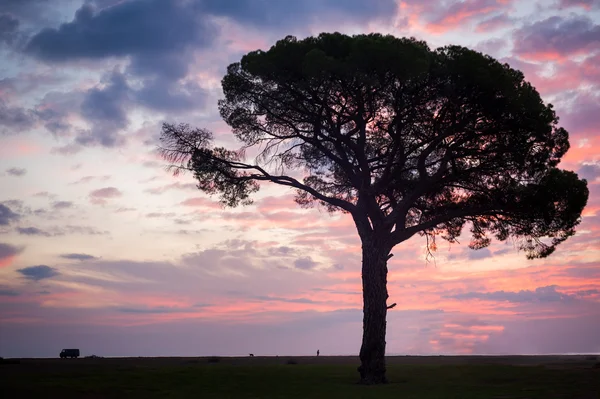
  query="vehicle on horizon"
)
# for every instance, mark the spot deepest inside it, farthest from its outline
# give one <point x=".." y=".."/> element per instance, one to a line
<point x="72" y="353"/>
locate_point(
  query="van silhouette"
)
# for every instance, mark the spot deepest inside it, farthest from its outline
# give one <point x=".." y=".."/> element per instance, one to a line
<point x="72" y="353"/>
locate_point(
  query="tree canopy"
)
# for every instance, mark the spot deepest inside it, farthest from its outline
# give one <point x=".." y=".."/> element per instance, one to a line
<point x="404" y="138"/>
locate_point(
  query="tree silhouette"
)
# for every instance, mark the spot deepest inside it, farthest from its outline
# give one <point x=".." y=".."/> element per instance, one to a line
<point x="405" y="139"/>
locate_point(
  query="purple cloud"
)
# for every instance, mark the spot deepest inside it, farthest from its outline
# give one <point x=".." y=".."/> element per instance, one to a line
<point x="39" y="272"/>
<point x="589" y="171"/>
<point x="541" y="294"/>
<point x="7" y="215"/>
<point x="305" y="263"/>
<point x="14" y="120"/>
<point x="7" y="251"/>
<point x="80" y="257"/>
<point x="556" y="37"/>
<point x="32" y="231"/>
<point x="18" y="172"/>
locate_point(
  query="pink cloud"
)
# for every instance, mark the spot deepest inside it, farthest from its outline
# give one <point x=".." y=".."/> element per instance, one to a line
<point x="439" y="18"/>
<point x="101" y="195"/>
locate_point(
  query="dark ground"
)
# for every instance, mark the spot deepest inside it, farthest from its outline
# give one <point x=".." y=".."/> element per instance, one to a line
<point x="573" y="377"/>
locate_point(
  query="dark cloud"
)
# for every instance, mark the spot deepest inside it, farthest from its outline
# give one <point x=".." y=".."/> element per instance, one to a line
<point x="157" y="94"/>
<point x="589" y="171"/>
<point x="105" y="110"/>
<point x="556" y="37"/>
<point x="131" y="28"/>
<point x="16" y="171"/>
<point x="8" y="292"/>
<point x="32" y="231"/>
<point x="14" y="120"/>
<point x="541" y="294"/>
<point x="8" y="28"/>
<point x="7" y="251"/>
<point x="305" y="263"/>
<point x="39" y="272"/>
<point x="158" y="37"/>
<point x="7" y="215"/>
<point x="80" y="257"/>
<point x="34" y="11"/>
<point x="54" y="110"/>
<point x="62" y="204"/>
<point x="289" y="15"/>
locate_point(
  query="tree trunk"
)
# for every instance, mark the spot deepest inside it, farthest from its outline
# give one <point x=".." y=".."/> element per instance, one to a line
<point x="374" y="279"/>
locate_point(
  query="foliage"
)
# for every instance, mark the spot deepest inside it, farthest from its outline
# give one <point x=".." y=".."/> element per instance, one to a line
<point x="406" y="139"/>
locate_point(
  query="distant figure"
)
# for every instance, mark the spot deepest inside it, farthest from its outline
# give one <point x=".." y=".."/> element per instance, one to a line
<point x="318" y="352"/>
<point x="252" y="355"/>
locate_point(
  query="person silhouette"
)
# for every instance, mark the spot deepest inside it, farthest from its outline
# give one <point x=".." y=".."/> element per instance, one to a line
<point x="318" y="352"/>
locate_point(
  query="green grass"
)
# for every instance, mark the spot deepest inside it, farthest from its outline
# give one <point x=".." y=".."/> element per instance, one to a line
<point x="204" y="380"/>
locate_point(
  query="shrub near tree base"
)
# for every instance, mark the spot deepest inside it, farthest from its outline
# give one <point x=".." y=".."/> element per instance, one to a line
<point x="405" y="139"/>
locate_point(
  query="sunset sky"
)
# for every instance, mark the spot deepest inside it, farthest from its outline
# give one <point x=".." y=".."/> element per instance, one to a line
<point x="101" y="249"/>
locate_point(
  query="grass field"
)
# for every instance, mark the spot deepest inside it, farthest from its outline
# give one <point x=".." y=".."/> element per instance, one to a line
<point x="572" y="377"/>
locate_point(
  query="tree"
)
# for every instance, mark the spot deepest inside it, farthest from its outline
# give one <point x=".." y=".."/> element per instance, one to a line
<point x="405" y="139"/>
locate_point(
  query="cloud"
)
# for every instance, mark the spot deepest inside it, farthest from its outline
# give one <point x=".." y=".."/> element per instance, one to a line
<point x="172" y="186"/>
<point x="556" y="37"/>
<point x="541" y="294"/>
<point x="8" y="28"/>
<point x="133" y="28"/>
<point x="87" y="179"/>
<point x="589" y="171"/>
<point x="7" y="253"/>
<point x="39" y="272"/>
<point x="80" y="257"/>
<point x="32" y="231"/>
<point x="305" y="263"/>
<point x="16" y="172"/>
<point x="494" y="23"/>
<point x="14" y="120"/>
<point x="288" y="15"/>
<point x="101" y="195"/>
<point x="7" y="216"/>
<point x="268" y="298"/>
<point x="73" y="229"/>
<point x="8" y="292"/>
<point x="201" y="202"/>
<point x="161" y="215"/>
<point x="105" y="110"/>
<point x="479" y="254"/>
<point x="586" y="4"/>
<point x="62" y="204"/>
<point x="458" y="13"/>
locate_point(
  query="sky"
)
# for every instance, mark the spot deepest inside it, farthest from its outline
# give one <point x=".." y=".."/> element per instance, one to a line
<point x="102" y="249"/>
